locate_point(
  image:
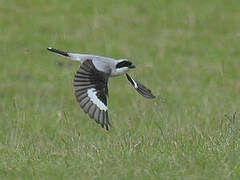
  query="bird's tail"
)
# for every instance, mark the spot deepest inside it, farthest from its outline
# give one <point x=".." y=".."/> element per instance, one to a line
<point x="58" y="51"/>
<point x="73" y="56"/>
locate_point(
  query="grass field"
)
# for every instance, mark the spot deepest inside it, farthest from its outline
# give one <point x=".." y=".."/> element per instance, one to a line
<point x="187" y="52"/>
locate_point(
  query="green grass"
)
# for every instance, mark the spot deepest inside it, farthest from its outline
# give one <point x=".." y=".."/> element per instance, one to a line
<point x="187" y="52"/>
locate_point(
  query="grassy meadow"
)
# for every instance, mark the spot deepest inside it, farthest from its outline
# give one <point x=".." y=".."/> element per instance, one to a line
<point x="187" y="52"/>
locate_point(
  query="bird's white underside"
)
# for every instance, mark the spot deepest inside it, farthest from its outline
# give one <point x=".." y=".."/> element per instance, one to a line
<point x="119" y="71"/>
<point x="93" y="97"/>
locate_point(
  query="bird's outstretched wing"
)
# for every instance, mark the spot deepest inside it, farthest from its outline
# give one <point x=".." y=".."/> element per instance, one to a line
<point x="91" y="91"/>
<point x="141" y="89"/>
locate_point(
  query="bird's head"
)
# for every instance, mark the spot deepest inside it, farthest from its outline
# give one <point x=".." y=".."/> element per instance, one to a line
<point x="123" y="65"/>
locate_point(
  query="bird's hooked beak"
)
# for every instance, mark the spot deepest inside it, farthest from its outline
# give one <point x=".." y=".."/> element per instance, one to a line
<point x="132" y="66"/>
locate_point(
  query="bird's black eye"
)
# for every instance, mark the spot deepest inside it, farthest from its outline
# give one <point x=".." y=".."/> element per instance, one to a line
<point x="124" y="64"/>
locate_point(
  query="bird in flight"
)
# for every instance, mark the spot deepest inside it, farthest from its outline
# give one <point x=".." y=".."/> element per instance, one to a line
<point x="91" y="82"/>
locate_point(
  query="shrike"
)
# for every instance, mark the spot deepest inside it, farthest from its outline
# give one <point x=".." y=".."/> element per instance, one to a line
<point x="91" y="82"/>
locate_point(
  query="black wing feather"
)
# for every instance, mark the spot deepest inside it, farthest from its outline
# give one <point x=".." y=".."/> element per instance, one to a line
<point x="88" y="77"/>
<point x="141" y="89"/>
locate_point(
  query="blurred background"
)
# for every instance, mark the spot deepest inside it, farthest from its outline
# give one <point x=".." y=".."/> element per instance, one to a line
<point x="186" y="52"/>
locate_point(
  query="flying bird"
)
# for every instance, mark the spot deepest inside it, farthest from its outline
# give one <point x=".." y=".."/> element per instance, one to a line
<point x="91" y="82"/>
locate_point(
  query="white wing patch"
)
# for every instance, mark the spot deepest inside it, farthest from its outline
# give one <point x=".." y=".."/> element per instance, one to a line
<point x="135" y="84"/>
<point x="92" y="95"/>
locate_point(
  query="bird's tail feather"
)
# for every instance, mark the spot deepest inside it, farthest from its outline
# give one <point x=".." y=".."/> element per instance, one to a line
<point x="73" y="56"/>
<point x="58" y="51"/>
